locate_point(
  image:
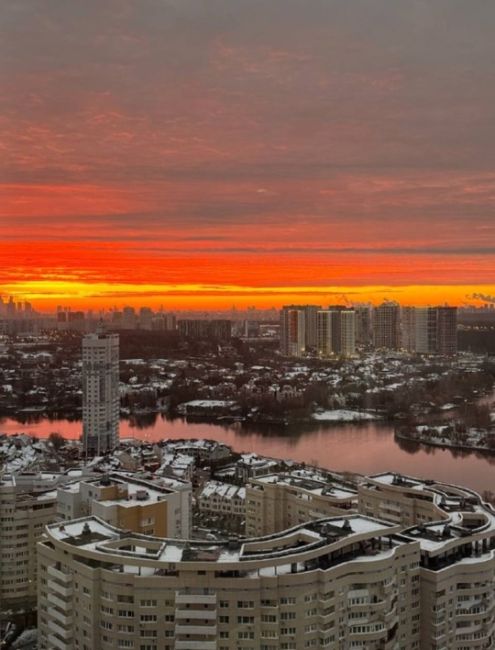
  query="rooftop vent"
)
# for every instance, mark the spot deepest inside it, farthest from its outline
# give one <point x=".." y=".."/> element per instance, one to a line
<point x="142" y="495"/>
<point x="347" y="526"/>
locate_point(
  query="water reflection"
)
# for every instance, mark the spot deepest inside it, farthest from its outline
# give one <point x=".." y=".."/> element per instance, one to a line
<point x="365" y="448"/>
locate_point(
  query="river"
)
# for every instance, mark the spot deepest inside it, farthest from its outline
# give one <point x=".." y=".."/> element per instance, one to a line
<point x="364" y="448"/>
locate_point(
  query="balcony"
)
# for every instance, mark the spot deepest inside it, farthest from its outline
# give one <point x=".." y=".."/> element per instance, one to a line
<point x="197" y="614"/>
<point x="60" y="576"/>
<point x="64" y="633"/>
<point x="200" y="630"/>
<point x="58" y="601"/>
<point x="194" y="645"/>
<point x="195" y="599"/>
<point x="63" y="618"/>
<point x="64" y="592"/>
<point x="55" y="642"/>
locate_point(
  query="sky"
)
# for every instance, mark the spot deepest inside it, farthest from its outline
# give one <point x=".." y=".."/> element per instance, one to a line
<point x="200" y="154"/>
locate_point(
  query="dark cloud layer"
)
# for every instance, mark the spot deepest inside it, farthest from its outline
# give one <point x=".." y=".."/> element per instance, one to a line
<point x="303" y="126"/>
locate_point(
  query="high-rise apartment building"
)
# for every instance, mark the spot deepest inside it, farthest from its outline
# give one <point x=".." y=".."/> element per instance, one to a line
<point x="298" y="329"/>
<point x="364" y="327"/>
<point x="447" y="330"/>
<point x="336" y="332"/>
<point x="292" y="332"/>
<point x="25" y="509"/>
<point x="334" y="583"/>
<point x="100" y="376"/>
<point x="415" y="570"/>
<point x="129" y="318"/>
<point x="386" y="326"/>
<point x="429" y="330"/>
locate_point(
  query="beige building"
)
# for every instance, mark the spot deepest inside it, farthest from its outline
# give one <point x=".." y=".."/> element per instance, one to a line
<point x="456" y="531"/>
<point x="279" y="501"/>
<point x="425" y="580"/>
<point x="222" y="499"/>
<point x="161" y="507"/>
<point x="25" y="510"/>
<point x="345" y="582"/>
<point x="403" y="500"/>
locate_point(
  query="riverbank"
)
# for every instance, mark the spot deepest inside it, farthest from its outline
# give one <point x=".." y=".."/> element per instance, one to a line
<point x="474" y="445"/>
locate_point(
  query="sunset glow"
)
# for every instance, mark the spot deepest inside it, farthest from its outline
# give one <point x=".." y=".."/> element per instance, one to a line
<point x="155" y="154"/>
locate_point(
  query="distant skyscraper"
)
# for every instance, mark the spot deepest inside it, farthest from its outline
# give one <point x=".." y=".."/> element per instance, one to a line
<point x="408" y="328"/>
<point x="430" y="330"/>
<point x="145" y="318"/>
<point x="386" y="326"/>
<point x="298" y="329"/>
<point x="447" y="330"/>
<point x="100" y="375"/>
<point x="425" y="330"/>
<point x="129" y="321"/>
<point x="364" y="329"/>
<point x="336" y="329"/>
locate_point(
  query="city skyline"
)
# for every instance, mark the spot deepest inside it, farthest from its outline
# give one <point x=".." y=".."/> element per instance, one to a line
<point x="271" y="153"/>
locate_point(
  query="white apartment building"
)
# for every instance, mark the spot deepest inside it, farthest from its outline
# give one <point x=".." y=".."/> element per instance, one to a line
<point x="25" y="510"/>
<point x="101" y="406"/>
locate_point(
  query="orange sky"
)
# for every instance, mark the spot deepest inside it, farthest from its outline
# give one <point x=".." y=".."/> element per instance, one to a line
<point x="155" y="153"/>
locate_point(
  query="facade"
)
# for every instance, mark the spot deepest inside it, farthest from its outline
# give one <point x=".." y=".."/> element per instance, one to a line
<point x="429" y="330"/>
<point x="100" y="373"/>
<point x="298" y="330"/>
<point x="160" y="508"/>
<point x="456" y="531"/>
<point x="222" y="499"/>
<point x="408" y="328"/>
<point x="364" y="328"/>
<point x="424" y="581"/>
<point x="340" y="582"/>
<point x="386" y="326"/>
<point x="164" y="322"/>
<point x="25" y="510"/>
<point x="292" y="332"/>
<point x="193" y="328"/>
<point x="279" y="501"/>
<point x="336" y="332"/>
<point x="220" y="329"/>
<point x="447" y="330"/>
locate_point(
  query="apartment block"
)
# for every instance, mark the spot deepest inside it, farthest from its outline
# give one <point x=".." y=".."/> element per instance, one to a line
<point x="161" y="507"/>
<point x="223" y="499"/>
<point x="298" y="330"/>
<point x="336" y="332"/>
<point x="344" y="582"/>
<point x="456" y="532"/>
<point x="101" y="405"/>
<point x="386" y="326"/>
<point x="414" y="569"/>
<point x="279" y="501"/>
<point x="25" y="510"/>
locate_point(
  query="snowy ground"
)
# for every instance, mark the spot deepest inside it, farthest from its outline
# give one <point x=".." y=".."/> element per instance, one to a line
<point x="342" y="415"/>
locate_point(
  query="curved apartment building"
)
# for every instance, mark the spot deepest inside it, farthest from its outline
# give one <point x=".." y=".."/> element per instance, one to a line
<point x="353" y="581"/>
<point x="343" y="582"/>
